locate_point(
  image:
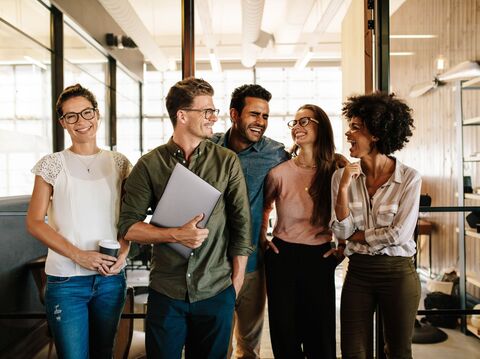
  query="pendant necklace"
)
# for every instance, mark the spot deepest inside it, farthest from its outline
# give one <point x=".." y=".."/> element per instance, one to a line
<point x="87" y="165"/>
<point x="299" y="164"/>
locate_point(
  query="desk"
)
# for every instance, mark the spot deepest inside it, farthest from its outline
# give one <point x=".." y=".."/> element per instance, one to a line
<point x="425" y="227"/>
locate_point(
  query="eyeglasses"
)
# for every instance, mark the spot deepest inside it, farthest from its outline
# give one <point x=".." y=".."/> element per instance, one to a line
<point x="72" y="117"/>
<point x="208" y="112"/>
<point x="304" y="121"/>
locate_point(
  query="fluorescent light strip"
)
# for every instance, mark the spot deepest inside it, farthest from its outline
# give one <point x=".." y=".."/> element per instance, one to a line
<point x="304" y="60"/>
<point x="402" y="53"/>
<point x="214" y="62"/>
<point x="413" y="36"/>
<point x="35" y="62"/>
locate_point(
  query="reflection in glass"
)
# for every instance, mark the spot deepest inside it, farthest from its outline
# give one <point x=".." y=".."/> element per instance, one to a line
<point x="25" y="112"/>
<point x="87" y="65"/>
<point x="128" y="116"/>
<point x="29" y="16"/>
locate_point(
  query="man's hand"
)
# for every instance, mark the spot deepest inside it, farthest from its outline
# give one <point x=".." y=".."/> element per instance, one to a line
<point x="189" y="234"/>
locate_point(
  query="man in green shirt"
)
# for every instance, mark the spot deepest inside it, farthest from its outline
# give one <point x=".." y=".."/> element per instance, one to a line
<point x="191" y="300"/>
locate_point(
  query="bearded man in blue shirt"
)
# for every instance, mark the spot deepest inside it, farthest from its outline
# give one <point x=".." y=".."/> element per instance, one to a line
<point x="249" y="112"/>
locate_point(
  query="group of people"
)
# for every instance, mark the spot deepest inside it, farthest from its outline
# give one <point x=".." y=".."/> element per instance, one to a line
<point x="326" y="208"/>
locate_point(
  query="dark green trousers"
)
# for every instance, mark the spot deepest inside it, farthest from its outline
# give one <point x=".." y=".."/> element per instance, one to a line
<point x="391" y="283"/>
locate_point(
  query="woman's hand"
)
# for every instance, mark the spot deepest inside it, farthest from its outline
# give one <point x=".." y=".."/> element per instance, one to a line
<point x="337" y="252"/>
<point x="92" y="260"/>
<point x="115" y="268"/>
<point x="266" y="245"/>
<point x="358" y="237"/>
<point x="351" y="171"/>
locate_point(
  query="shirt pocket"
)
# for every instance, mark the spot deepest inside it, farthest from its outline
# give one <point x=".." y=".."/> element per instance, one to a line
<point x="386" y="213"/>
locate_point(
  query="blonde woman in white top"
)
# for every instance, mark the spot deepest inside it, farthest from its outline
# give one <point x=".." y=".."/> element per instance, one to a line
<point x="375" y="208"/>
<point x="80" y="188"/>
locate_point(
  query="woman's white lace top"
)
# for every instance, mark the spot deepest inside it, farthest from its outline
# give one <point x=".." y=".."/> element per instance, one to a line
<point x="85" y="202"/>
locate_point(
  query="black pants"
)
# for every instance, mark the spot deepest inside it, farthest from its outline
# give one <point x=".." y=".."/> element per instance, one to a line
<point x="301" y="300"/>
<point x="389" y="282"/>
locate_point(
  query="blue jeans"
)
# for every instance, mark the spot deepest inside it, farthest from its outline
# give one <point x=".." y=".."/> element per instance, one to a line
<point x="203" y="327"/>
<point x="83" y="314"/>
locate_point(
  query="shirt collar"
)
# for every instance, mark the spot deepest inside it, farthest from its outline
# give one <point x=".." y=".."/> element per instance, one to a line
<point x="257" y="146"/>
<point x="176" y="151"/>
<point x="397" y="174"/>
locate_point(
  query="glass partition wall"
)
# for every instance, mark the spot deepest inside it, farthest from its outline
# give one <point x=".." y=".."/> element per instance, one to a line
<point x="25" y="87"/>
<point x="86" y="64"/>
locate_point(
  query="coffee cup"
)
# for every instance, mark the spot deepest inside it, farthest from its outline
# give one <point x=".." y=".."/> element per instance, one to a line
<point x="109" y="247"/>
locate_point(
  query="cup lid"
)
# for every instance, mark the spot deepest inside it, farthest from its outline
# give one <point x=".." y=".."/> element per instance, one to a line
<point x="109" y="244"/>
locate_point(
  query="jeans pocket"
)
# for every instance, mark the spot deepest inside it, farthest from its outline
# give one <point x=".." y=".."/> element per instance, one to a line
<point x="52" y="279"/>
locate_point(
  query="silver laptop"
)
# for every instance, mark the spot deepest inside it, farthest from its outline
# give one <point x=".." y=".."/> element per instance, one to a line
<point x="186" y="195"/>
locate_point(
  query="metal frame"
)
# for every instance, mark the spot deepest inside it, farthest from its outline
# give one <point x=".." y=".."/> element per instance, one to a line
<point x="112" y="102"/>
<point x="56" y="40"/>
<point x="188" y="39"/>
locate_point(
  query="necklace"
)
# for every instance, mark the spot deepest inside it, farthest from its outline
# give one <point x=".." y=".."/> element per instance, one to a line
<point x="376" y="181"/>
<point x="87" y="164"/>
<point x="299" y="164"/>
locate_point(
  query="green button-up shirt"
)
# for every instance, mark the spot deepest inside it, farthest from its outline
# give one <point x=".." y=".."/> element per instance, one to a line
<point x="208" y="269"/>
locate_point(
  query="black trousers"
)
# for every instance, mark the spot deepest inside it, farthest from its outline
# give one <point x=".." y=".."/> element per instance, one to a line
<point x="391" y="283"/>
<point x="301" y="300"/>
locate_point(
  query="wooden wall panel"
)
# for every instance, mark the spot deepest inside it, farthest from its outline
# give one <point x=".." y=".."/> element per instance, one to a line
<point x="432" y="150"/>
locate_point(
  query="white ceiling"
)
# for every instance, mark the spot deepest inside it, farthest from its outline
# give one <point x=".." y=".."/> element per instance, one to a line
<point x="296" y="26"/>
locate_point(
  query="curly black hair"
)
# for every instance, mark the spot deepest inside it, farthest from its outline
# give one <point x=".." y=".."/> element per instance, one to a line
<point x="385" y="116"/>
<point x="252" y="90"/>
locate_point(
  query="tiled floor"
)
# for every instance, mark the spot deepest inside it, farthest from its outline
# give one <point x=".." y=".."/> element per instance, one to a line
<point x="457" y="345"/>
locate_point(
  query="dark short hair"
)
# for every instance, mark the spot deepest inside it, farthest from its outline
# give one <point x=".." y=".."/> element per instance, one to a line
<point x="69" y="92"/>
<point x="385" y="116"/>
<point x="182" y="94"/>
<point x="240" y="93"/>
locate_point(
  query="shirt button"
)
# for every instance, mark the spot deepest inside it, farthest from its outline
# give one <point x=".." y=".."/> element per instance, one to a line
<point x="191" y="254"/>
<point x="183" y="161"/>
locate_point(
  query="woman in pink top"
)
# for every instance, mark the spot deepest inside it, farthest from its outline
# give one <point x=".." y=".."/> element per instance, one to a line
<point x="298" y="261"/>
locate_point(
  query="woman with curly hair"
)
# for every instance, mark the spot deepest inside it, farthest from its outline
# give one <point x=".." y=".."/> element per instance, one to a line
<point x="300" y="262"/>
<point x="375" y="208"/>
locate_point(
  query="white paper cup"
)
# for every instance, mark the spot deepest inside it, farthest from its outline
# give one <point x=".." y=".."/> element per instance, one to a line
<point x="110" y="248"/>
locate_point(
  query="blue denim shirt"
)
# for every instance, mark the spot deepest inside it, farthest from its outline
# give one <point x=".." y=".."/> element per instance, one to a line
<point x="256" y="161"/>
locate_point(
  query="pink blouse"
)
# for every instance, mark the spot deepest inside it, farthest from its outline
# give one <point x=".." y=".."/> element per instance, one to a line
<point x="287" y="186"/>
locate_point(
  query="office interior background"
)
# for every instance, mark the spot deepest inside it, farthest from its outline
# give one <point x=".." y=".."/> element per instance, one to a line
<point x="129" y="53"/>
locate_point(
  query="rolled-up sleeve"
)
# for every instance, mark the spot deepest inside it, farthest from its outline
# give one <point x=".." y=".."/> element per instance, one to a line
<point x="137" y="198"/>
<point x="238" y="212"/>
<point x="345" y="228"/>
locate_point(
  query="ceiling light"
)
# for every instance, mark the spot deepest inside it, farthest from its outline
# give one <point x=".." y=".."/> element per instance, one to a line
<point x="405" y="53"/>
<point x="304" y="60"/>
<point x="440" y="63"/>
<point x="35" y="62"/>
<point x="413" y="36"/>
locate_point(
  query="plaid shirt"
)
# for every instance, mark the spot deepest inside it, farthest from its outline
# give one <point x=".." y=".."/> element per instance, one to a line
<point x="388" y="218"/>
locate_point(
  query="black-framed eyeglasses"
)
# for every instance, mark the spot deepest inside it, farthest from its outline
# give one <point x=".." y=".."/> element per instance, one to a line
<point x="207" y="113"/>
<point x="304" y="121"/>
<point x="72" y="117"/>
